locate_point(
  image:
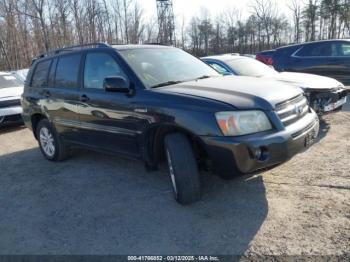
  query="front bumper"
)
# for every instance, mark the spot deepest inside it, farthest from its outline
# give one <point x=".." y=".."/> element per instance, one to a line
<point x="327" y="101"/>
<point x="10" y="111"/>
<point x="246" y="154"/>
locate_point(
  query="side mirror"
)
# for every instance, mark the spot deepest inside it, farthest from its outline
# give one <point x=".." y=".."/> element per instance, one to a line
<point x="116" y="84"/>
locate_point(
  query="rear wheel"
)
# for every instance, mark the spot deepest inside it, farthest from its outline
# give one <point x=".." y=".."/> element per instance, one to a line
<point x="183" y="168"/>
<point x="51" y="145"/>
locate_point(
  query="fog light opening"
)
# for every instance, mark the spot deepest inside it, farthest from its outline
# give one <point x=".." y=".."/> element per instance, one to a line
<point x="261" y="154"/>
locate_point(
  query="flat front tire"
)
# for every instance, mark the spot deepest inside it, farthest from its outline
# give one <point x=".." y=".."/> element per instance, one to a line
<point x="51" y="146"/>
<point x="183" y="169"/>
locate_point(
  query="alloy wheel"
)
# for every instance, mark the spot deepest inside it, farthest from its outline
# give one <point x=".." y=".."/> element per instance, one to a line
<point x="171" y="171"/>
<point x="47" y="142"/>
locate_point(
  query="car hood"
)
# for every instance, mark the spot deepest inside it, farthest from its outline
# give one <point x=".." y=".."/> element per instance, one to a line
<point x="11" y="92"/>
<point x="307" y="81"/>
<point x="238" y="91"/>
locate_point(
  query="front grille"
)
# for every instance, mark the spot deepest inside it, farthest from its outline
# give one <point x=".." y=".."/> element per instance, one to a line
<point x="10" y="103"/>
<point x="292" y="110"/>
<point x="304" y="130"/>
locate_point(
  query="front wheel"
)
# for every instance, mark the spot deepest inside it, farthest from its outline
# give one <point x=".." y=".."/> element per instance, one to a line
<point x="51" y="146"/>
<point x="183" y="168"/>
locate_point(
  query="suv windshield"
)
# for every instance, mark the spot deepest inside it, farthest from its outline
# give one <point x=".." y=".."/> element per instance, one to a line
<point x="165" y="66"/>
<point x="9" y="81"/>
<point x="250" y="67"/>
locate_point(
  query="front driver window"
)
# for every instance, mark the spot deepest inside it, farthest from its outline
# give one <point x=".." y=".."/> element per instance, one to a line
<point x="98" y="66"/>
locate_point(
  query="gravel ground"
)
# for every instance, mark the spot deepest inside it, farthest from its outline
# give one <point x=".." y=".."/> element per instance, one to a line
<point x="97" y="204"/>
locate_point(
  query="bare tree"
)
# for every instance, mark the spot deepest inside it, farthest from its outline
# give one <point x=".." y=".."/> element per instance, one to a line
<point x="31" y="27"/>
<point x="296" y="9"/>
<point x="266" y="12"/>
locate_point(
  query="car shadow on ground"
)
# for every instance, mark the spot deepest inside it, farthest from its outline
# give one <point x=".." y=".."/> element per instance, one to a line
<point x="8" y="128"/>
<point x="325" y="125"/>
<point x="324" y="129"/>
<point x="346" y="107"/>
<point x="97" y="204"/>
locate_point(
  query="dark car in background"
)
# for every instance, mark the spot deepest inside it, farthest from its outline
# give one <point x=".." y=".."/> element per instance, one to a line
<point x="266" y="57"/>
<point x="327" y="58"/>
<point x="325" y="94"/>
<point x="157" y="103"/>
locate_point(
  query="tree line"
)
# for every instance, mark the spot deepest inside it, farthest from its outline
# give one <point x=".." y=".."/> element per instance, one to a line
<point x="31" y="27"/>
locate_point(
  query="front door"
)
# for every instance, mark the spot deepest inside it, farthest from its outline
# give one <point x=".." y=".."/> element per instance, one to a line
<point x="106" y="118"/>
<point x="341" y="62"/>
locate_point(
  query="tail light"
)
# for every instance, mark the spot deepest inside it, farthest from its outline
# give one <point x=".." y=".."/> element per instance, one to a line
<point x="265" y="59"/>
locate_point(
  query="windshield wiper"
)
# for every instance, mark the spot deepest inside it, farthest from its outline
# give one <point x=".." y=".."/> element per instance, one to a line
<point x="203" y="77"/>
<point x="168" y="83"/>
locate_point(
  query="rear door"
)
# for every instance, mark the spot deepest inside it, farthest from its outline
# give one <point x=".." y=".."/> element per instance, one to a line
<point x="341" y="61"/>
<point x="107" y="118"/>
<point x="62" y="95"/>
<point x="313" y="59"/>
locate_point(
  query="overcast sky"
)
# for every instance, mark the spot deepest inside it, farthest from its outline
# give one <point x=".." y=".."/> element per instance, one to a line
<point x="189" y="8"/>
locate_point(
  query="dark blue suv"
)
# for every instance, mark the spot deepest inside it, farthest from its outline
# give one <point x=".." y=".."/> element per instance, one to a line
<point x="328" y="58"/>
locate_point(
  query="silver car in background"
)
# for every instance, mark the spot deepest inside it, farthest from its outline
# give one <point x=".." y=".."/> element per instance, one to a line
<point x="325" y="94"/>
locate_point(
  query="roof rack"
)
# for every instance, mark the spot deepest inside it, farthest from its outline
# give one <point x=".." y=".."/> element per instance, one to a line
<point x="73" y="48"/>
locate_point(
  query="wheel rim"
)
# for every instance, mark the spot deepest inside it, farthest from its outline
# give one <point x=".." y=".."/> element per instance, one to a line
<point x="2" y="118"/>
<point x="47" y="142"/>
<point x="171" y="171"/>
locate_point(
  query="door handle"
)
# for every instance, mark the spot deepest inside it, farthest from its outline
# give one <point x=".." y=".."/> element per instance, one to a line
<point x="46" y="94"/>
<point x="84" y="98"/>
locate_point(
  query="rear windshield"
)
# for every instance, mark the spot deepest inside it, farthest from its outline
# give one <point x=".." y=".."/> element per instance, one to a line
<point x="9" y="81"/>
<point x="250" y="67"/>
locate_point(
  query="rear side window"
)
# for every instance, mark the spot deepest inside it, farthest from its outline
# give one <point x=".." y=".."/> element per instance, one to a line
<point x="67" y="71"/>
<point x="319" y="50"/>
<point x="325" y="50"/>
<point x="341" y="49"/>
<point x="39" y="78"/>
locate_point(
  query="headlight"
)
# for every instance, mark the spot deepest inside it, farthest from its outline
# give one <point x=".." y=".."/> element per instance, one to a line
<point x="238" y="123"/>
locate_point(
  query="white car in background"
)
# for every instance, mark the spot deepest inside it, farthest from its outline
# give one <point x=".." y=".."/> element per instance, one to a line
<point x="324" y="94"/>
<point x="21" y="74"/>
<point x="11" y="90"/>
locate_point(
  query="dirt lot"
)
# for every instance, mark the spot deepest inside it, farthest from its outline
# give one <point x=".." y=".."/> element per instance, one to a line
<point x="97" y="204"/>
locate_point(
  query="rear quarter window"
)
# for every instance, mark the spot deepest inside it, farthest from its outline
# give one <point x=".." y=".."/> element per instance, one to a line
<point x="287" y="51"/>
<point x="40" y="74"/>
